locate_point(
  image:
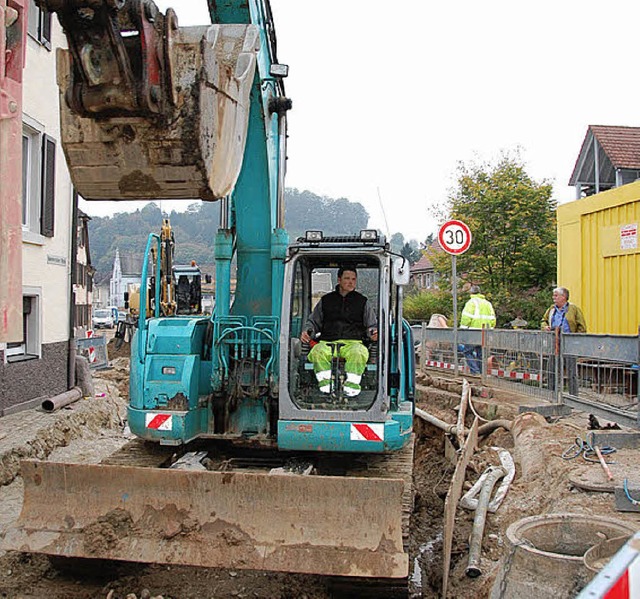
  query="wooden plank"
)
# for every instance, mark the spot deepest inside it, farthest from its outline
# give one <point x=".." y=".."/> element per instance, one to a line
<point x="462" y="411"/>
<point x="453" y="497"/>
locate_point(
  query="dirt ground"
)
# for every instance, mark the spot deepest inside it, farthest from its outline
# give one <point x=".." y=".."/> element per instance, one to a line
<point x="92" y="429"/>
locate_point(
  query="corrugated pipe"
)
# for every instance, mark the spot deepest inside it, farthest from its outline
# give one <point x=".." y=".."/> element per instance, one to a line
<point x="64" y="399"/>
<point x="475" y="544"/>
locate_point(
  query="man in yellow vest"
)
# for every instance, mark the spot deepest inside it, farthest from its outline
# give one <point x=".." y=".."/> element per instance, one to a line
<point x="478" y="313"/>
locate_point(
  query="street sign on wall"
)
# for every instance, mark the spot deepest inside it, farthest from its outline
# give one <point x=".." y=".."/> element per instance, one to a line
<point x="454" y="237"/>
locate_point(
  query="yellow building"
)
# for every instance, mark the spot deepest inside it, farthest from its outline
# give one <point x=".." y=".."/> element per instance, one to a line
<point x="598" y="235"/>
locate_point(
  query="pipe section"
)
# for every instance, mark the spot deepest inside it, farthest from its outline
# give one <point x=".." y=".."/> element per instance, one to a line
<point x="451" y="429"/>
<point x="52" y="404"/>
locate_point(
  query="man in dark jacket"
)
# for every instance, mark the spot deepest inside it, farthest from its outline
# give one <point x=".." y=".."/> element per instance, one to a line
<point x="344" y="317"/>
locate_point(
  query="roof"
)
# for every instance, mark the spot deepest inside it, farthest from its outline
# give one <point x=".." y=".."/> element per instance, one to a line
<point x="425" y="263"/>
<point x="619" y="148"/>
<point x="621" y="144"/>
<point x="421" y="265"/>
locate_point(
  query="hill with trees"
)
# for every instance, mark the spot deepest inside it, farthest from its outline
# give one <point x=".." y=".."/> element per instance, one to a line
<point x="195" y="228"/>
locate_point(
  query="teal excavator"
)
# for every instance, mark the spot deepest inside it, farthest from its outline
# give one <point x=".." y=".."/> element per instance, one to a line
<point x="240" y="461"/>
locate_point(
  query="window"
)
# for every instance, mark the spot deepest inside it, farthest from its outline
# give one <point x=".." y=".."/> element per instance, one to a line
<point x="29" y="346"/>
<point x="82" y="315"/>
<point x="39" y="25"/>
<point x="38" y="181"/>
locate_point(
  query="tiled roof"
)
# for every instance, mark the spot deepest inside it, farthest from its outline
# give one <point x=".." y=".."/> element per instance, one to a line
<point x="621" y="144"/>
<point x="423" y="264"/>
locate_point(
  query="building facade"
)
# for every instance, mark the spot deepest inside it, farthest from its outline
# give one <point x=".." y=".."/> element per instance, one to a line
<point x="38" y="365"/>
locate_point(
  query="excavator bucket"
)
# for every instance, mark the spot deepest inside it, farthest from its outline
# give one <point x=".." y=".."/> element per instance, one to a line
<point x="186" y="140"/>
<point x="330" y="525"/>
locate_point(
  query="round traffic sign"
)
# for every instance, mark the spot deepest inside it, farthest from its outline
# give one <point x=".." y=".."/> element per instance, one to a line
<point x="454" y="237"/>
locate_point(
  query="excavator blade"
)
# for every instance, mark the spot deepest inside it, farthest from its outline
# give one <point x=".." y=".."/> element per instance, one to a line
<point x="329" y="525"/>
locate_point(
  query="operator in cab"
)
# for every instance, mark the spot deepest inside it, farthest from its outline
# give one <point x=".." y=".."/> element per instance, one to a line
<point x="343" y="318"/>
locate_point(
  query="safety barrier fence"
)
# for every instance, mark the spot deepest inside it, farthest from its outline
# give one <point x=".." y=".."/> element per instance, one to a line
<point x="595" y="373"/>
<point x="95" y="350"/>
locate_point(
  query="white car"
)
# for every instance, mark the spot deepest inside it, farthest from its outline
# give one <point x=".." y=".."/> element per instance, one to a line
<point x="102" y="319"/>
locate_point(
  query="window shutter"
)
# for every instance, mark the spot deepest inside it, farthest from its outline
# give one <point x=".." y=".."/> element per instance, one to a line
<point x="47" y="217"/>
<point x="45" y="28"/>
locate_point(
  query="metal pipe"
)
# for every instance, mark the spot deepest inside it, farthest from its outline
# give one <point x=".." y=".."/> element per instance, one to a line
<point x="475" y="544"/>
<point x="73" y="261"/>
<point x="282" y="162"/>
<point x="488" y="427"/>
<point x="52" y="404"/>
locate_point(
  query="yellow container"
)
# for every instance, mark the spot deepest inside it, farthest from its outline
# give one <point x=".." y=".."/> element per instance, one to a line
<point x="599" y="258"/>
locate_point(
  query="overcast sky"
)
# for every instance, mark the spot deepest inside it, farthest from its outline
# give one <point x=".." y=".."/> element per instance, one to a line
<point x="391" y="97"/>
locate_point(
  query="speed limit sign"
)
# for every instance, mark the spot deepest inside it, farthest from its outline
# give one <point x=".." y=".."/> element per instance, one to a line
<point x="454" y="237"/>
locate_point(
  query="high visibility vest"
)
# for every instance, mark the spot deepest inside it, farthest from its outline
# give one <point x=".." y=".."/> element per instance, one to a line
<point x="478" y="313"/>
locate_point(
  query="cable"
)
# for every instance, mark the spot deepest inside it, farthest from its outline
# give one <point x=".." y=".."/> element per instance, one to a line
<point x="626" y="492"/>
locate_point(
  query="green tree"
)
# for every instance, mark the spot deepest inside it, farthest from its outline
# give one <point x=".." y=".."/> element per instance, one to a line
<point x="396" y="242"/>
<point x="419" y="306"/>
<point x="410" y="251"/>
<point x="513" y="224"/>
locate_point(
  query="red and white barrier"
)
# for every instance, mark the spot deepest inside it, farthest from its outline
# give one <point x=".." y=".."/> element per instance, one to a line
<point x="512" y="374"/>
<point x="92" y="350"/>
<point x="445" y="365"/>
<point x="620" y="578"/>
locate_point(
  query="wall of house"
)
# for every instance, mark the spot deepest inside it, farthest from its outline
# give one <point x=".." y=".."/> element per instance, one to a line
<point x="597" y="260"/>
<point x="46" y="260"/>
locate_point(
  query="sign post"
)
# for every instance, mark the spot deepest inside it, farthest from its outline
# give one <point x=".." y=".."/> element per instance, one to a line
<point x="455" y="238"/>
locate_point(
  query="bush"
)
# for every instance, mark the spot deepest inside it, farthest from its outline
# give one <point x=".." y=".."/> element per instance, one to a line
<point x="419" y="306"/>
<point x="528" y="305"/>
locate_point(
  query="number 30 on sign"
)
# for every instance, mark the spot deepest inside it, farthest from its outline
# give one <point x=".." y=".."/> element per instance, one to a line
<point x="454" y="237"/>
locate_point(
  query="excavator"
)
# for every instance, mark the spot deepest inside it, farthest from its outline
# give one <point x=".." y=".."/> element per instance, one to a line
<point x="240" y="461"/>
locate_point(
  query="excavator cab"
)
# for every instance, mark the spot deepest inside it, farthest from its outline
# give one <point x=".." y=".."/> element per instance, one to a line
<point x="315" y="278"/>
<point x="310" y="418"/>
<point x="188" y="286"/>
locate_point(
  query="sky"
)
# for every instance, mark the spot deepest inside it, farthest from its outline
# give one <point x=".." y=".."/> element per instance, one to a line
<point x="389" y="98"/>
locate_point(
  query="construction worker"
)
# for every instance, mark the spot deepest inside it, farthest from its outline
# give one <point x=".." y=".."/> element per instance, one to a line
<point x="478" y="313"/>
<point x="344" y="318"/>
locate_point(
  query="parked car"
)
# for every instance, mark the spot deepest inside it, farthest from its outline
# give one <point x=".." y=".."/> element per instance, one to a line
<point x="102" y="319"/>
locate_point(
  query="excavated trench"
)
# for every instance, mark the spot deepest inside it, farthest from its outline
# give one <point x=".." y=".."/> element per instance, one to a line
<point x="33" y="577"/>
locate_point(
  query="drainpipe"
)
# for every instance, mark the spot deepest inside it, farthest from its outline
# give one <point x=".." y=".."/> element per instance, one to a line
<point x="71" y="350"/>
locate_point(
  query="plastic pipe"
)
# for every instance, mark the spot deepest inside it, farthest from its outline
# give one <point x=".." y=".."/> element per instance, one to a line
<point x="451" y="429"/>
